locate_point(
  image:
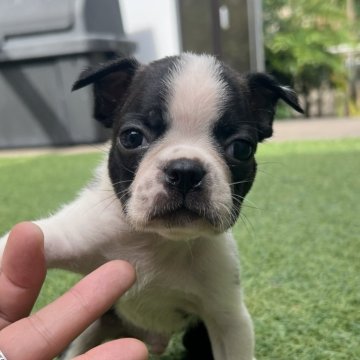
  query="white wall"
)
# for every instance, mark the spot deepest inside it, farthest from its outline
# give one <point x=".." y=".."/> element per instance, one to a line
<point x="153" y="25"/>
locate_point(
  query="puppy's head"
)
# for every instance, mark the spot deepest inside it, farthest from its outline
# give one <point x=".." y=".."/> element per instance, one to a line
<point x="185" y="131"/>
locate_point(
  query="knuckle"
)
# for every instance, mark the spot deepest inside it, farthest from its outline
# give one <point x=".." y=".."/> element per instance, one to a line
<point x="42" y="330"/>
<point x="81" y="301"/>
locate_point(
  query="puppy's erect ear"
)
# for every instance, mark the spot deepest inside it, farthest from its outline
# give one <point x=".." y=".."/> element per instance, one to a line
<point x="265" y="92"/>
<point x="111" y="81"/>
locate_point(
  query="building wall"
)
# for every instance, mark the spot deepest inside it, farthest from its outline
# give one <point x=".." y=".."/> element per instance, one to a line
<point x="153" y="25"/>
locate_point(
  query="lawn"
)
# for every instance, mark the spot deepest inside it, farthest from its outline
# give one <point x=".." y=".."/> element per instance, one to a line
<point x="299" y="241"/>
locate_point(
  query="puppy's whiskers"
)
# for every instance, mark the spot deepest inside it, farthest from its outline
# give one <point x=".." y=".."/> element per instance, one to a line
<point x="104" y="148"/>
<point x="111" y="199"/>
<point x="261" y="163"/>
<point x="245" y="202"/>
<point x="248" y="225"/>
<point x="265" y="172"/>
<point x="121" y="182"/>
<point x="121" y="194"/>
<point x="241" y="182"/>
<point x="188" y="244"/>
<point x="228" y="215"/>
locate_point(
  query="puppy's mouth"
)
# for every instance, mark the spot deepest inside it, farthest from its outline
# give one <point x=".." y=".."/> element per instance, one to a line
<point x="173" y="210"/>
<point x="175" y="216"/>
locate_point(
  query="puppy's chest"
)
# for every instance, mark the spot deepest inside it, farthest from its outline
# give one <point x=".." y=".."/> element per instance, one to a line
<point x="166" y="294"/>
<point x="158" y="309"/>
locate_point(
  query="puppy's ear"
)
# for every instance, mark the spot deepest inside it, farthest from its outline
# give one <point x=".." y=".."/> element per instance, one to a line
<point x="265" y="92"/>
<point x="111" y="81"/>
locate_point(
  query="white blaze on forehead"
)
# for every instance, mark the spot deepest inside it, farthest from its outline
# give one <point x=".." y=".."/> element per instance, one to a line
<point x="197" y="92"/>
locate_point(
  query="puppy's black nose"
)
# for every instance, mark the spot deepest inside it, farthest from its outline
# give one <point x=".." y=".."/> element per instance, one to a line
<point x="184" y="174"/>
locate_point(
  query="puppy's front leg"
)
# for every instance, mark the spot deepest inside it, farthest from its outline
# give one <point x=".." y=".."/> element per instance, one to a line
<point x="223" y="310"/>
<point x="231" y="332"/>
<point x="75" y="235"/>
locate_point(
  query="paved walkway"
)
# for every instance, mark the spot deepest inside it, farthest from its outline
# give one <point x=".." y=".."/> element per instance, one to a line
<point x="316" y="129"/>
<point x="286" y="130"/>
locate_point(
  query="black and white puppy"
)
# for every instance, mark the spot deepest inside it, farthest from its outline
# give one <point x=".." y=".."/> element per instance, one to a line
<point x="185" y="131"/>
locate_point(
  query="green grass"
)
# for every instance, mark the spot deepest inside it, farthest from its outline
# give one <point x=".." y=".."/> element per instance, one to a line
<point x="299" y="241"/>
<point x="301" y="254"/>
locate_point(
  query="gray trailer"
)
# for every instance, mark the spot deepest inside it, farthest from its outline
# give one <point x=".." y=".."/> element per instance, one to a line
<point x="44" y="45"/>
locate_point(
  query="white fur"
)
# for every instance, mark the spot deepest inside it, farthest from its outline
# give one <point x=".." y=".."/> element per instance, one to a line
<point x="197" y="96"/>
<point x="197" y="93"/>
<point x="196" y="275"/>
<point x="194" y="146"/>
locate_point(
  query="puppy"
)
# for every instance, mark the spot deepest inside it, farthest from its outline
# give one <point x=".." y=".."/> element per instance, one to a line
<point x="181" y="160"/>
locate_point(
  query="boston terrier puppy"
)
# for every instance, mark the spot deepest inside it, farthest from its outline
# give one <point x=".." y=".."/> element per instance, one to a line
<point x="181" y="160"/>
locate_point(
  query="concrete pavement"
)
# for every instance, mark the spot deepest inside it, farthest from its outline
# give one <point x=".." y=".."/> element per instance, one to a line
<point x="316" y="129"/>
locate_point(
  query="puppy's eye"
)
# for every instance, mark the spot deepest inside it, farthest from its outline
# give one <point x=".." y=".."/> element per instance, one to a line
<point x="240" y="150"/>
<point x="132" y="139"/>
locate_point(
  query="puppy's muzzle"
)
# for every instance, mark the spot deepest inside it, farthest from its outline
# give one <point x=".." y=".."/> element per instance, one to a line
<point x="184" y="175"/>
<point x="184" y="180"/>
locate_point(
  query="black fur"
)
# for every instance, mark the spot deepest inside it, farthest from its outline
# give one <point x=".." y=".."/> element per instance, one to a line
<point x="130" y="96"/>
<point x="111" y="81"/>
<point x="265" y="92"/>
<point x="145" y="107"/>
<point x="127" y="94"/>
<point x="197" y="344"/>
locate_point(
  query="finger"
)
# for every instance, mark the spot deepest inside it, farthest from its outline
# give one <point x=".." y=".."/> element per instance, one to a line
<point x="23" y="272"/>
<point x="46" y="333"/>
<point x="123" y="349"/>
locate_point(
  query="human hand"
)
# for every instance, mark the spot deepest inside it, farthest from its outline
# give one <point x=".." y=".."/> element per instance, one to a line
<point x="43" y="335"/>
